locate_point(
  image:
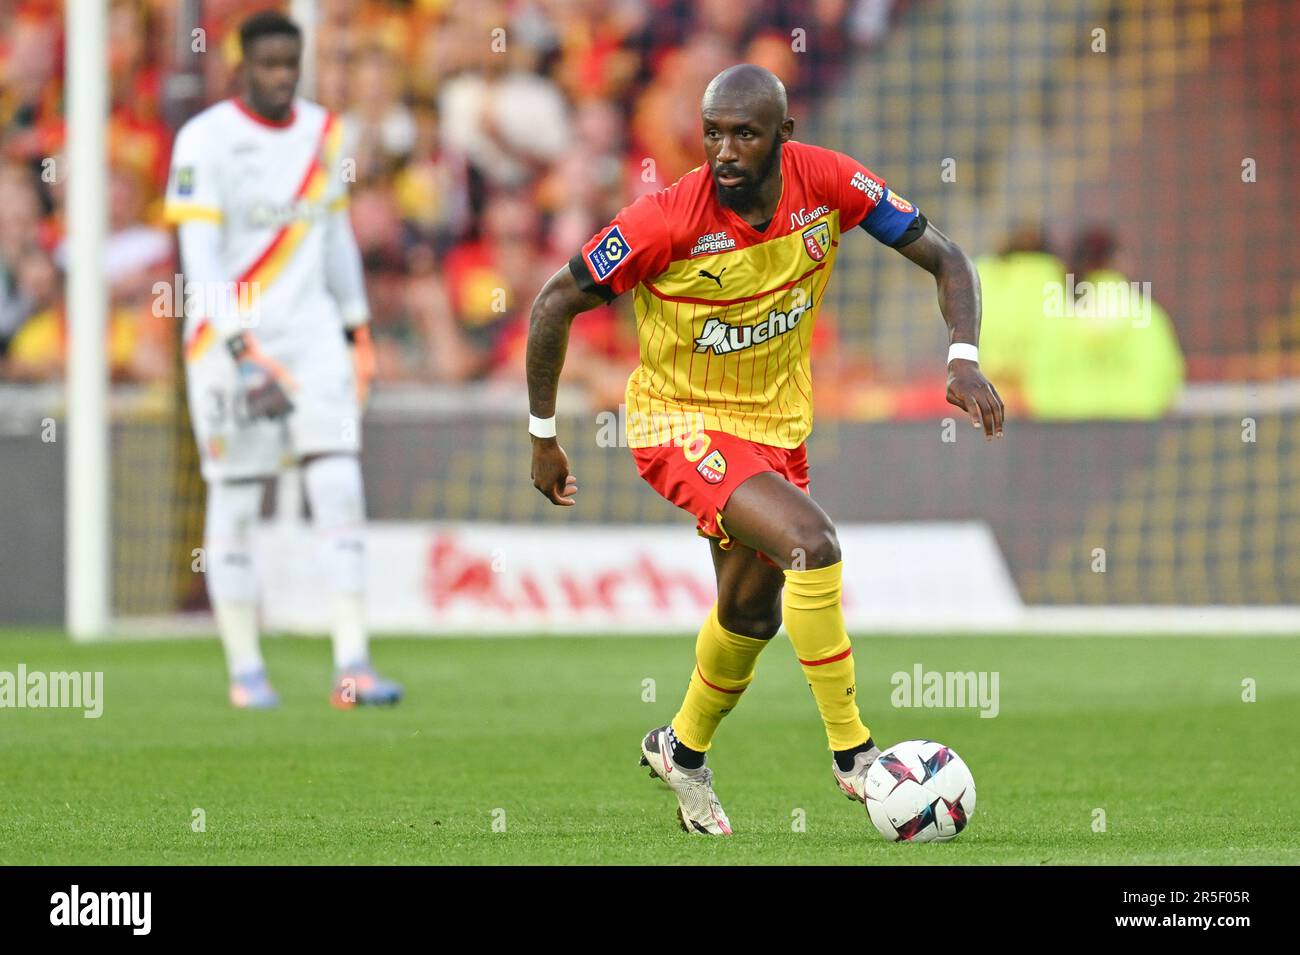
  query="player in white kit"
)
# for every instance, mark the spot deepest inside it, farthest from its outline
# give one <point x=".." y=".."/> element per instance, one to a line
<point x="278" y="355"/>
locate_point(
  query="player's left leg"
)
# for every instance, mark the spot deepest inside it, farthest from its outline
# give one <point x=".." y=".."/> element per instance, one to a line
<point x="336" y="497"/>
<point x="325" y="435"/>
<point x="772" y="515"/>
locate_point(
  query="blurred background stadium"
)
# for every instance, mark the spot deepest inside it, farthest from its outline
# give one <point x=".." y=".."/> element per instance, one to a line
<point x="1103" y="141"/>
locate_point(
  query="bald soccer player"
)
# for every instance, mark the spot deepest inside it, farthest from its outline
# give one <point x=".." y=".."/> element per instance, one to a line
<point x="728" y="267"/>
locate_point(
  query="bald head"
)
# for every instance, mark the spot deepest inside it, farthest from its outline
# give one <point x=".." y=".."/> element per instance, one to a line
<point x="747" y="87"/>
<point x="745" y="125"/>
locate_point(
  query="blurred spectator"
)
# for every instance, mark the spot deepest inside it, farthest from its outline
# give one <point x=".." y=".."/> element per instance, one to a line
<point x="1013" y="283"/>
<point x="137" y="342"/>
<point x="591" y="181"/>
<point x="19" y="240"/>
<point x="36" y="351"/>
<point x="383" y="129"/>
<point x="138" y="139"/>
<point x="597" y="60"/>
<point x="30" y="91"/>
<point x="413" y="327"/>
<point x="431" y="191"/>
<point x="510" y="122"/>
<point x="483" y="158"/>
<point x="135" y="255"/>
<point x="1108" y="350"/>
<point x="869" y="21"/>
<point x="491" y="281"/>
<point x="662" y="128"/>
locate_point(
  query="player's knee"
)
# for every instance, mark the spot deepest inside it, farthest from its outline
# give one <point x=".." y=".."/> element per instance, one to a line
<point x="818" y="546"/>
<point x="760" y="621"/>
<point x="232" y="509"/>
<point x="335" y="491"/>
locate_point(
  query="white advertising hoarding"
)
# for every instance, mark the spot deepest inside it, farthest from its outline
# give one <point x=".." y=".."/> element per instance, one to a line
<point x="470" y="578"/>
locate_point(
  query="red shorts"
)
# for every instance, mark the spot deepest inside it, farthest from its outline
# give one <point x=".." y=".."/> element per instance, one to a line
<point x="700" y="475"/>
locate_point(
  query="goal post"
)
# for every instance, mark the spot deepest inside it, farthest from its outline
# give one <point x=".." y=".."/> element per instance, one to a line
<point x="87" y="484"/>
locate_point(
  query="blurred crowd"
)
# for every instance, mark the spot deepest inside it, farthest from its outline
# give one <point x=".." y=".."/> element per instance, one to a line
<point x="1070" y="336"/>
<point x="491" y="139"/>
<point x="33" y="193"/>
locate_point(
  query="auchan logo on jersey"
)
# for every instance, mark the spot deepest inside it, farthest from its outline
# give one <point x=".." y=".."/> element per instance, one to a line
<point x="723" y="338"/>
<point x="266" y="215"/>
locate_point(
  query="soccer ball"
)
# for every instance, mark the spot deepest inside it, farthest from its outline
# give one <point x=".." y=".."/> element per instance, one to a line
<point x="920" y="791"/>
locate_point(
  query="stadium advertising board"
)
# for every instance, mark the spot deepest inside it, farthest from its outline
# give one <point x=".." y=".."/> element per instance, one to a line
<point x="469" y="578"/>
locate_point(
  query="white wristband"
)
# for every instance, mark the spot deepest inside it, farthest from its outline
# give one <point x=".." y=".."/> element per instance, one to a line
<point x="541" y="427"/>
<point x="963" y="350"/>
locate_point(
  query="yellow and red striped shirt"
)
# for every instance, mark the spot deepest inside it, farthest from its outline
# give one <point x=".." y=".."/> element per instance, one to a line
<point x="724" y="312"/>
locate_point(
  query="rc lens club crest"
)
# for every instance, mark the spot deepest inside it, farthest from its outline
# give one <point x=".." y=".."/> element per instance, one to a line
<point x="817" y="240"/>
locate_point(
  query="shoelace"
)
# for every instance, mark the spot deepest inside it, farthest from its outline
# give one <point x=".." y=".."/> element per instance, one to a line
<point x="705" y="780"/>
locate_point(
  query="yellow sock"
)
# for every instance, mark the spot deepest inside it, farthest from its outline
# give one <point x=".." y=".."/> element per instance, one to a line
<point x="815" y="622"/>
<point x="724" y="666"/>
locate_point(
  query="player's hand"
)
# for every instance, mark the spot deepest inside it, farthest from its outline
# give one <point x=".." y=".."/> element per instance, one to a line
<point x="969" y="390"/>
<point x="550" y="472"/>
<point x="265" y="383"/>
<point x="363" y="362"/>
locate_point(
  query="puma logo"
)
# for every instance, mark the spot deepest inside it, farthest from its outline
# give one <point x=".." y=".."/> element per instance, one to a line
<point x="706" y="274"/>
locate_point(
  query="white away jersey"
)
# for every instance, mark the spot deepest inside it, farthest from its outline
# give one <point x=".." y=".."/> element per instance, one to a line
<point x="270" y="187"/>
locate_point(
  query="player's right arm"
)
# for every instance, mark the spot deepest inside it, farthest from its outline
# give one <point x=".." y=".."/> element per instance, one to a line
<point x="554" y="309"/>
<point x="635" y="246"/>
<point x="193" y="205"/>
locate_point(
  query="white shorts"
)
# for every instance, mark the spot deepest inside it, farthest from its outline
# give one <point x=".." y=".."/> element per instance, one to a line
<point x="324" y="419"/>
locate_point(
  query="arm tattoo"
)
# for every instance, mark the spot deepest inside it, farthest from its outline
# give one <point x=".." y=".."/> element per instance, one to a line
<point x="548" y="337"/>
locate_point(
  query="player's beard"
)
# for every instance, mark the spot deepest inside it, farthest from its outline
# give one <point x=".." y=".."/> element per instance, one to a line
<point x="745" y="196"/>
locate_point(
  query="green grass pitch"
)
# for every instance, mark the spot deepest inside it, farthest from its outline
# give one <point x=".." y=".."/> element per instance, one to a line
<point x="1153" y="731"/>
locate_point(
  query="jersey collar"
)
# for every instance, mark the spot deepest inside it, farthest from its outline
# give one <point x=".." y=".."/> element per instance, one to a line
<point x="262" y="120"/>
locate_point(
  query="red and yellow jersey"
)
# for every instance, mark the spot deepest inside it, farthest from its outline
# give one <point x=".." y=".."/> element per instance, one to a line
<point x="724" y="312"/>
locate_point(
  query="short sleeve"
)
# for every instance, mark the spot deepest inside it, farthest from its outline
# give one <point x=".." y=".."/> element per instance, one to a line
<point x="636" y="246"/>
<point x="192" y="188"/>
<point x="857" y="191"/>
<point x="865" y="200"/>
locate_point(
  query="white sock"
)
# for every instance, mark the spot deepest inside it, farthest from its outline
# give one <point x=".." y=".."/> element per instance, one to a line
<point x="238" y="625"/>
<point x="351" y="645"/>
<point x="231" y="577"/>
<point x="337" y="497"/>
